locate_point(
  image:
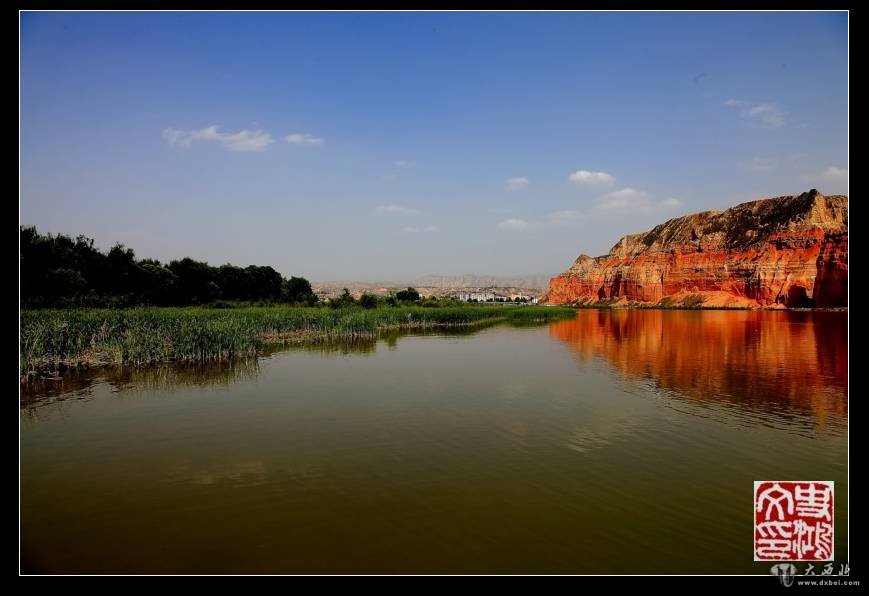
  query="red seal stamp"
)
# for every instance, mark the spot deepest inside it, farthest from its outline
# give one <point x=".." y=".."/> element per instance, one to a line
<point x="793" y="520"/>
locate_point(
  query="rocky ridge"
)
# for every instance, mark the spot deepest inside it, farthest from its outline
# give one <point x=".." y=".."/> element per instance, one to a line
<point x="789" y="251"/>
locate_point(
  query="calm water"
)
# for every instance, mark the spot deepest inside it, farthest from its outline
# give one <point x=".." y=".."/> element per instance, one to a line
<point x="620" y="441"/>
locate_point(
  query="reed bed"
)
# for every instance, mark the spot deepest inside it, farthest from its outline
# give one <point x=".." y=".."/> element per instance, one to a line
<point x="53" y="339"/>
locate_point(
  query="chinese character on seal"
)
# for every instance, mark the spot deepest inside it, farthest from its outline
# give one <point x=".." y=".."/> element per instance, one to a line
<point x="793" y="520"/>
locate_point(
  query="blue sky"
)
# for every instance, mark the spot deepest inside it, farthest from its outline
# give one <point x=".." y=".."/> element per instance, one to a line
<point x="391" y="145"/>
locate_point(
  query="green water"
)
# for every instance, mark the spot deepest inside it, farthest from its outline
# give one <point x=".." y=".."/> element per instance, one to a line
<point x="617" y="442"/>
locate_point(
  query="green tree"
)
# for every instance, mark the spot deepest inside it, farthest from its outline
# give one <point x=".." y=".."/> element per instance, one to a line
<point x="408" y="295"/>
<point x="368" y="300"/>
<point x="298" y="290"/>
<point x="234" y="282"/>
<point x="265" y="283"/>
<point x="196" y="283"/>
<point x="158" y="283"/>
<point x="65" y="283"/>
<point x="57" y="270"/>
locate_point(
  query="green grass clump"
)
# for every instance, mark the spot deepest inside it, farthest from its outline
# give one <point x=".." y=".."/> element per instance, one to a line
<point x="55" y="338"/>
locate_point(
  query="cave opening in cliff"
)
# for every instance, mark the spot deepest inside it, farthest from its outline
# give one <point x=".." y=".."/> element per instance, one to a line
<point x="798" y="297"/>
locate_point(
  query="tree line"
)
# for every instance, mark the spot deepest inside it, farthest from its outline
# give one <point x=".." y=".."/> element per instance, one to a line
<point x="368" y="300"/>
<point x="57" y="270"/>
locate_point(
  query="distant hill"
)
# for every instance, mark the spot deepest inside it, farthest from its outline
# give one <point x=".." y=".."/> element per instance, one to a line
<point x="440" y="284"/>
<point x="530" y="282"/>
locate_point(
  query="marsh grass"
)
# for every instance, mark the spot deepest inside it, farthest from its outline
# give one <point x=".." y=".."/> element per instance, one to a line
<point x="54" y="339"/>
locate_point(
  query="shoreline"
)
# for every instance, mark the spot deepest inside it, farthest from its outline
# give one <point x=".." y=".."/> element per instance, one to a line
<point x="697" y="300"/>
<point x="119" y="345"/>
<point x="87" y="339"/>
<point x="647" y="306"/>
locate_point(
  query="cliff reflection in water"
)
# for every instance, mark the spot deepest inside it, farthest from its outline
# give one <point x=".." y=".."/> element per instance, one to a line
<point x="783" y="363"/>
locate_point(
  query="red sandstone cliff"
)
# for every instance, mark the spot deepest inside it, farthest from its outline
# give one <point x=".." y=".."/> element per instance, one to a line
<point x="788" y="251"/>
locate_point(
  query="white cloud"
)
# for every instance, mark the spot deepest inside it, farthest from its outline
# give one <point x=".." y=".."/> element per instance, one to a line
<point x="633" y="200"/>
<point x="179" y="138"/>
<point x="416" y="230"/>
<point x="564" y="216"/>
<point x="553" y="219"/>
<point x="833" y="179"/>
<point x="517" y="183"/>
<point x="513" y="224"/>
<point x="303" y="138"/>
<point x="764" y="114"/>
<point x="589" y="178"/>
<point x="388" y="177"/>
<point x="767" y="113"/>
<point x="400" y="163"/>
<point x="244" y="140"/>
<point x="760" y="164"/>
<point x="835" y="174"/>
<point x="626" y="198"/>
<point x="397" y="210"/>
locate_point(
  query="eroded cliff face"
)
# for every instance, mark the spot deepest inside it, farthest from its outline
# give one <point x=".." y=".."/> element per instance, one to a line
<point x="787" y="252"/>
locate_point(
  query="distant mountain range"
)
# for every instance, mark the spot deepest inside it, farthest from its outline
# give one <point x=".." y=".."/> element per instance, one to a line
<point x="531" y="282"/>
<point x="440" y="284"/>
